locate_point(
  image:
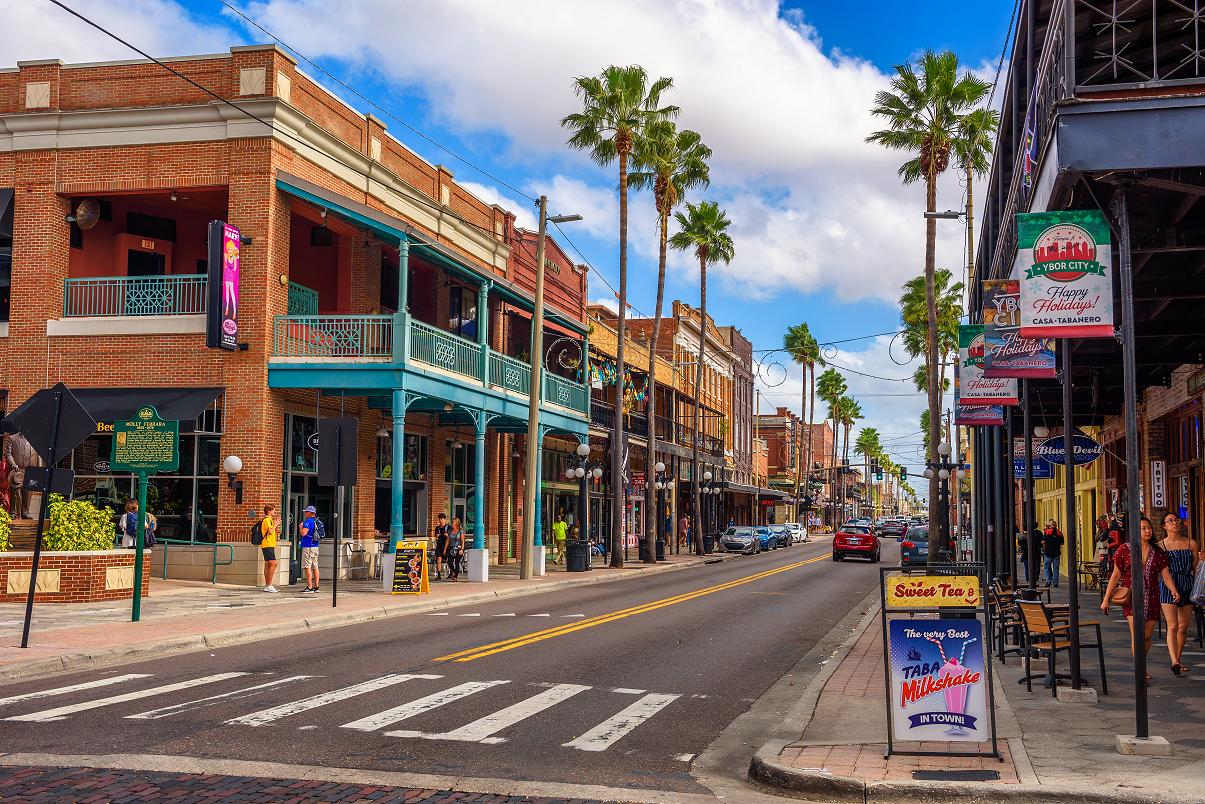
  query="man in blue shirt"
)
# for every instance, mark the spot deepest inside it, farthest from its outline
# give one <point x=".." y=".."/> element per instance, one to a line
<point x="308" y="531"/>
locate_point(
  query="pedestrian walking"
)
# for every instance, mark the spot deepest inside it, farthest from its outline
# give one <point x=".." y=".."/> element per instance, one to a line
<point x="455" y="548"/>
<point x="441" y="543"/>
<point x="269" y="531"/>
<point x="127" y="524"/>
<point x="560" y="532"/>
<point x="1052" y="553"/>
<point x="684" y="531"/>
<point x="1174" y="599"/>
<point x="1023" y="553"/>
<point x="310" y="532"/>
<point x="1120" y="592"/>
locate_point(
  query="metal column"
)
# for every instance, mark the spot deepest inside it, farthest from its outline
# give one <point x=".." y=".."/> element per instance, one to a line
<point x="1071" y="528"/>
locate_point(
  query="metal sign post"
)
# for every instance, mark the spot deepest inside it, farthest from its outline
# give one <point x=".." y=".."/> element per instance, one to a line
<point x="337" y="467"/>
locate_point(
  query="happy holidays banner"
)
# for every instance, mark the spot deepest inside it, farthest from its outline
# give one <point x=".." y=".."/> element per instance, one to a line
<point x="974" y="388"/>
<point x="1065" y="268"/>
<point x="1006" y="353"/>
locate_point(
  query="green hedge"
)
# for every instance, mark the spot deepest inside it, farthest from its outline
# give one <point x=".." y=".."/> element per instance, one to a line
<point x="5" y="528"/>
<point x="78" y="525"/>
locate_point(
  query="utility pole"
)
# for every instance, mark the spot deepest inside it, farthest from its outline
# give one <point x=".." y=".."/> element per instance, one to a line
<point x="532" y="481"/>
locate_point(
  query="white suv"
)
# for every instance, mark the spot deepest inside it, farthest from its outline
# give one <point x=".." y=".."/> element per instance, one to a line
<point x="799" y="534"/>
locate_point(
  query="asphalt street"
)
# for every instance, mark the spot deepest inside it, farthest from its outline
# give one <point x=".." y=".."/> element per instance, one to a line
<point x="621" y="684"/>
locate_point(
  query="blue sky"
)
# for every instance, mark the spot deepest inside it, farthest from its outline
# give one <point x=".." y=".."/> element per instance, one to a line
<point x="780" y="92"/>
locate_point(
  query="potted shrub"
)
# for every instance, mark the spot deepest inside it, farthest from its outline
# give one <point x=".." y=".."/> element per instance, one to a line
<point x="5" y="528"/>
<point x="78" y="525"/>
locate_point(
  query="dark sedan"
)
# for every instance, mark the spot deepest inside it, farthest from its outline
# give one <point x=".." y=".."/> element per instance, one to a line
<point x="782" y="535"/>
<point x="914" y="549"/>
<point x="892" y="528"/>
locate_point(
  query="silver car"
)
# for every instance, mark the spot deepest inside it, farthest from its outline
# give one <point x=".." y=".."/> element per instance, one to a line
<point x="741" y="539"/>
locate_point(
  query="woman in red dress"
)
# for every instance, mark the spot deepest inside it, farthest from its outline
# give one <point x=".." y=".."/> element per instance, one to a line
<point x="1154" y="567"/>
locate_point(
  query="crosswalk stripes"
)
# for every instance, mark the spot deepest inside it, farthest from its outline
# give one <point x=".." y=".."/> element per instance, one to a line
<point x="62" y="712"/>
<point x="234" y="695"/>
<point x="483" y="729"/>
<point x="266" y="716"/>
<point x="408" y="710"/>
<point x="87" y="685"/>
<point x="611" y="730"/>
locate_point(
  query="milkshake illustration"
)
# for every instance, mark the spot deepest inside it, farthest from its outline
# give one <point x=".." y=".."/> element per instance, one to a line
<point x="955" y="694"/>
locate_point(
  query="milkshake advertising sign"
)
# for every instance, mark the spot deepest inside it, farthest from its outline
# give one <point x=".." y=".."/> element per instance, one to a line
<point x="1006" y="353"/>
<point x="973" y="387"/>
<point x="938" y="681"/>
<point x="906" y="591"/>
<point x="1065" y="268"/>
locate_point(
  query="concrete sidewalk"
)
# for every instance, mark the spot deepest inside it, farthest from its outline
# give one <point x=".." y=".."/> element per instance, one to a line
<point x="830" y="748"/>
<point x="181" y="616"/>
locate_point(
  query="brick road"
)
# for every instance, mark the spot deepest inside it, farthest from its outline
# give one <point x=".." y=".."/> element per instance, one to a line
<point x="84" y="785"/>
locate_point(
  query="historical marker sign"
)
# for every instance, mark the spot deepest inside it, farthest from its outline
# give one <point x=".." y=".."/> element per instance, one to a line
<point x="146" y="444"/>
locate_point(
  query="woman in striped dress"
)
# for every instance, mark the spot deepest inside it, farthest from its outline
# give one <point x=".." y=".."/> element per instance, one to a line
<point x="1177" y="610"/>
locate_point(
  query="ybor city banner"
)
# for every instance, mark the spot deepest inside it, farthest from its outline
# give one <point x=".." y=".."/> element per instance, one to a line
<point x="1006" y="353"/>
<point x="938" y="683"/>
<point x="974" y="415"/>
<point x="1065" y="267"/>
<point x="974" y="388"/>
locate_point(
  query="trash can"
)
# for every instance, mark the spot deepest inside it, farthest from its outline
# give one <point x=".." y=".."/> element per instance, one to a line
<point x="708" y="543"/>
<point x="661" y="549"/>
<point x="577" y="556"/>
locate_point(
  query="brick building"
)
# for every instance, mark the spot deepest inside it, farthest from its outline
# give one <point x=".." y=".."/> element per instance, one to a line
<point x="371" y="285"/>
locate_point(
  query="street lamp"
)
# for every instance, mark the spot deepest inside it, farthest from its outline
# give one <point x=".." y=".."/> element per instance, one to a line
<point x="948" y="215"/>
<point x="531" y="563"/>
<point x="943" y="469"/>
<point x="659" y="483"/>
<point x="584" y="471"/>
<point x="232" y="466"/>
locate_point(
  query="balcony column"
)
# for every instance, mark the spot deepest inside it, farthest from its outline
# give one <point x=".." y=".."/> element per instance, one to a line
<point x="479" y="556"/>
<point x="483" y="330"/>
<point x="401" y="319"/>
<point x="397" y="512"/>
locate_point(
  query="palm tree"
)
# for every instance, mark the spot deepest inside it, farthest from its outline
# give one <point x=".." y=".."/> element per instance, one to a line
<point x="972" y="147"/>
<point x="616" y="106"/>
<point x="923" y="113"/>
<point x="830" y="388"/>
<point x="703" y="229"/>
<point x="869" y="448"/>
<point x="669" y="162"/>
<point x="850" y="412"/>
<point x="804" y="350"/>
<point x="914" y="315"/>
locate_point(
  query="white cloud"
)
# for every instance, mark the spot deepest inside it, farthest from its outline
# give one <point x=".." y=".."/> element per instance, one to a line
<point x="524" y="217"/>
<point x="610" y="302"/>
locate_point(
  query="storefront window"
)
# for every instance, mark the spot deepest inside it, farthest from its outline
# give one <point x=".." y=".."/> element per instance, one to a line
<point x="301" y="457"/>
<point x="458" y="474"/>
<point x="462" y="313"/>
<point x="415" y="467"/>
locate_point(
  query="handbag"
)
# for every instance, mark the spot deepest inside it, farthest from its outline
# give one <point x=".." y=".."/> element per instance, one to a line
<point x="1198" y="586"/>
<point x="1121" y="596"/>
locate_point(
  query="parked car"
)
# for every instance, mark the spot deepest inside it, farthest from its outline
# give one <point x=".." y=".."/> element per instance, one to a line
<point x="782" y="535"/>
<point x="766" y="538"/>
<point x="914" y="548"/>
<point x="741" y="540"/>
<point x="799" y="534"/>
<point x="855" y="540"/>
<point x="893" y="528"/>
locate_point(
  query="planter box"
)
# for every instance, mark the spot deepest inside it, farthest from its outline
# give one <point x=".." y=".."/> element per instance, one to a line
<point x="71" y="577"/>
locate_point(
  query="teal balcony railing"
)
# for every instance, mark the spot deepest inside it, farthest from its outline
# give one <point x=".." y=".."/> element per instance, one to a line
<point x="444" y="350"/>
<point x="566" y="393"/>
<point x="302" y="300"/>
<point x="332" y="336"/>
<point x="109" y="296"/>
<point x="508" y="373"/>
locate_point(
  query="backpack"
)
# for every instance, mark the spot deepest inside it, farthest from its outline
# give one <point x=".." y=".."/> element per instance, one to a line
<point x="257" y="534"/>
<point x="319" y="530"/>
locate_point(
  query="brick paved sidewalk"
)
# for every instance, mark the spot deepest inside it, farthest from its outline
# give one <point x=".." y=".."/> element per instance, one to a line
<point x="87" y="785"/>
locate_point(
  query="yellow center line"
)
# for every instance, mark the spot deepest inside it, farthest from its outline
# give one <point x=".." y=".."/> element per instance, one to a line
<point x="481" y="651"/>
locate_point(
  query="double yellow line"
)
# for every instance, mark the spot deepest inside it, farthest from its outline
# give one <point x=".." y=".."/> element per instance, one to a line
<point x="481" y="651"/>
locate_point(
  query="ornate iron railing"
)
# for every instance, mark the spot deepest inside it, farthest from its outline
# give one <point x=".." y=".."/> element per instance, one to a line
<point x="566" y="393"/>
<point x="509" y="373"/>
<point x="332" y="336"/>
<point x="110" y="296"/>
<point x="444" y="350"/>
<point x="302" y="300"/>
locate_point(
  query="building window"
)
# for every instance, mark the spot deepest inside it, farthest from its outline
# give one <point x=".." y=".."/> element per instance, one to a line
<point x="462" y="312"/>
<point x="6" y="278"/>
<point x="415" y="466"/>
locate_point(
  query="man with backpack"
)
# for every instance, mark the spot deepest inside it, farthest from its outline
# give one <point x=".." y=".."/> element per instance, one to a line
<point x="263" y="536"/>
<point x="311" y="531"/>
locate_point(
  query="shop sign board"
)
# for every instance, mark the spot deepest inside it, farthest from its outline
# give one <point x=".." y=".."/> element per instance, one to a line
<point x="1158" y="484"/>
<point x="222" y="267"/>
<point x="939" y="685"/>
<point x="145" y="444"/>
<point x="974" y="387"/>
<point x="410" y="568"/>
<point x="932" y="591"/>
<point x="1006" y="353"/>
<point x="1083" y="450"/>
<point x="1042" y="468"/>
<point x="1065" y="266"/>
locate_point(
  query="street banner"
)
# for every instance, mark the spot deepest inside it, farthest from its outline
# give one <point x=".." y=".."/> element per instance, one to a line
<point x="1065" y="267"/>
<point x="974" y="415"/>
<point x="1042" y="468"/>
<point x="973" y="387"/>
<point x="223" y="265"/>
<point x="931" y="591"/>
<point x="410" y="568"/>
<point x="1006" y="353"/>
<point x="938" y="682"/>
<point x="1083" y="450"/>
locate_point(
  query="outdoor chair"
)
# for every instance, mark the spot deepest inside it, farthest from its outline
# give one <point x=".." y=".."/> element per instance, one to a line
<point x="1006" y="623"/>
<point x="1045" y="633"/>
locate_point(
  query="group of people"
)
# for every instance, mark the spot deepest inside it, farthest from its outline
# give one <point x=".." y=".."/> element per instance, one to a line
<point x="1049" y="541"/>
<point x="310" y="531"/>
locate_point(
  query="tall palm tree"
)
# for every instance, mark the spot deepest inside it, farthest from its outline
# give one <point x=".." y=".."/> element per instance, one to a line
<point x="669" y="162"/>
<point x="914" y="315"/>
<point x="850" y="413"/>
<point x="972" y="149"/>
<point x="703" y="229"/>
<point x="923" y="113"/>
<point x="869" y="448"/>
<point x="804" y="350"/>
<point x="616" y="106"/>
<point x="830" y="388"/>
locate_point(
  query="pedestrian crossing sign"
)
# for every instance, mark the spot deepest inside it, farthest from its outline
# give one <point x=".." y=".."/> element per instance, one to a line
<point x="410" y="569"/>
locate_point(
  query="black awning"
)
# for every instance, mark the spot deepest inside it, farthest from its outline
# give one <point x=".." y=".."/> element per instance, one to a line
<point x="115" y="404"/>
<point x="739" y="488"/>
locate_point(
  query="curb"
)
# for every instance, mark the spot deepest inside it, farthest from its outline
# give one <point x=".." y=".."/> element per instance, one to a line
<point x="238" y="636"/>
<point x="766" y="769"/>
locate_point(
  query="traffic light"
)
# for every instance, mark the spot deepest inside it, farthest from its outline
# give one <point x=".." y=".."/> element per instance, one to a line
<point x="903" y="473"/>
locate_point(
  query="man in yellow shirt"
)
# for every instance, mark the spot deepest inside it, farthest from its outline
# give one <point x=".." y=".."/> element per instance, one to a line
<point x="560" y="531"/>
<point x="269" y="528"/>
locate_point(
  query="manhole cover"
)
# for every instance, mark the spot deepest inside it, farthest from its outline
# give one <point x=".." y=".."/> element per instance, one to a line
<point x="956" y="775"/>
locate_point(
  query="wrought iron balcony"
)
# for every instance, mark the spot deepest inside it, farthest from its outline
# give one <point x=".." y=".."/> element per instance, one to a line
<point x="113" y="296"/>
<point x="302" y="300"/>
<point x="323" y="337"/>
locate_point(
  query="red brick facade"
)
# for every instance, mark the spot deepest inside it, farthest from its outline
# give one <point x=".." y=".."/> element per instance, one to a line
<point x="82" y="577"/>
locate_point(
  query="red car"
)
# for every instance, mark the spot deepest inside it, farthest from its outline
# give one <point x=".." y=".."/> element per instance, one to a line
<point x="855" y="540"/>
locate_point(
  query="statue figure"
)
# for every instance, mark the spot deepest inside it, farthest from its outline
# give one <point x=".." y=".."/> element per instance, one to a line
<point x="20" y="454"/>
